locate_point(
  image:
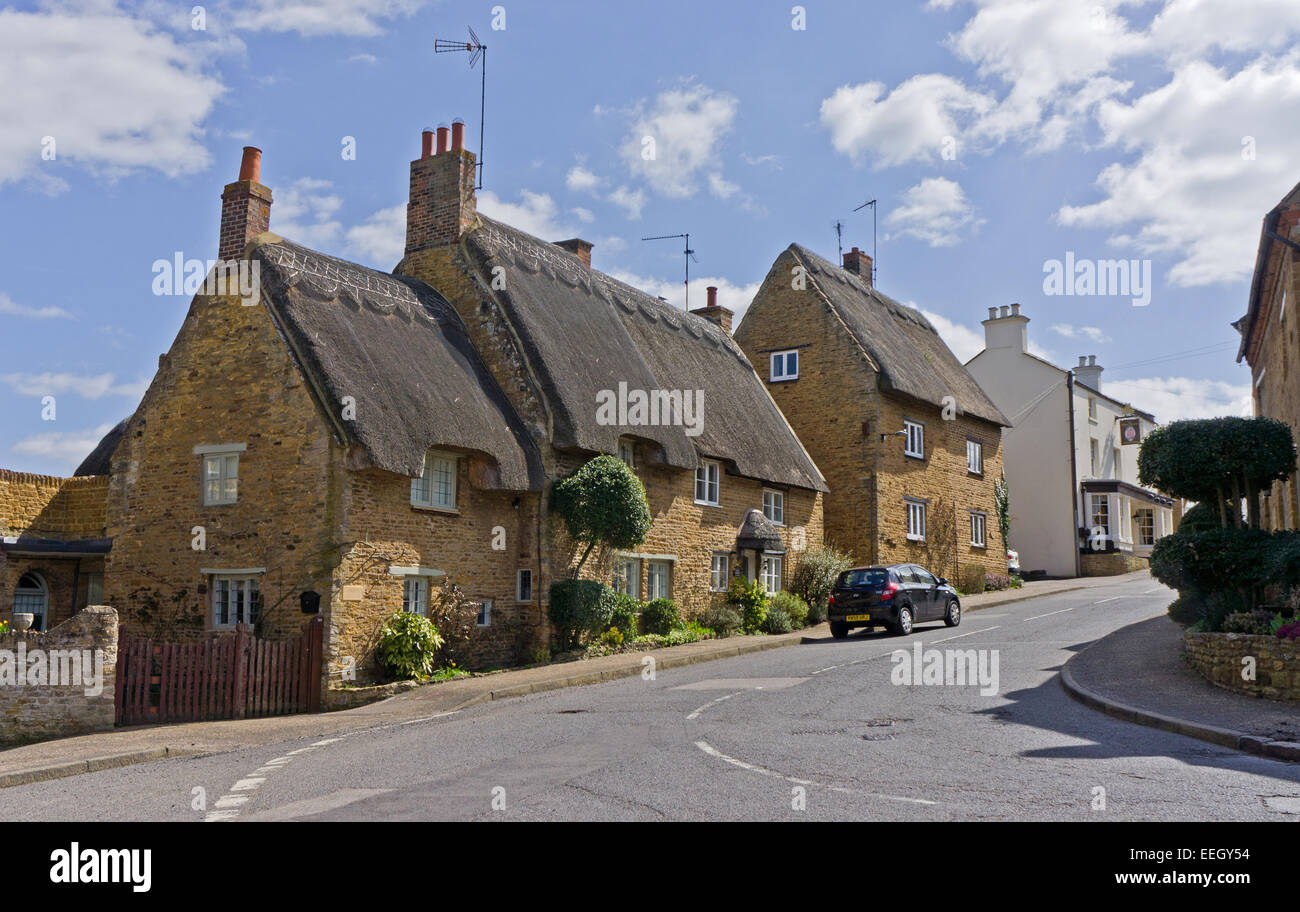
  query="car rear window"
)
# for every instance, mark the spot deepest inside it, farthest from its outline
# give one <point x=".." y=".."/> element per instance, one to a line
<point x="862" y="579"/>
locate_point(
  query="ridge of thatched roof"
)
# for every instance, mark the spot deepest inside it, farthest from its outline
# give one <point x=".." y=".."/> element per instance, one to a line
<point x="902" y="344"/>
<point x="97" y="463"/>
<point x="400" y="350"/>
<point x="585" y="332"/>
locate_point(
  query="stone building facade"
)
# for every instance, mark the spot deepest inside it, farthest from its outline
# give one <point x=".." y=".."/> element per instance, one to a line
<point x="852" y="370"/>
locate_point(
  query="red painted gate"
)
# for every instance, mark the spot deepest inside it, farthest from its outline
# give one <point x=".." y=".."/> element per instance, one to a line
<point x="223" y="677"/>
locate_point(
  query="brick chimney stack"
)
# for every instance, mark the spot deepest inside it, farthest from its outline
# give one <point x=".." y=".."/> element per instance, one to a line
<point x="579" y="248"/>
<point x="715" y="313"/>
<point x="442" y="205"/>
<point x="245" y="207"/>
<point x="858" y="263"/>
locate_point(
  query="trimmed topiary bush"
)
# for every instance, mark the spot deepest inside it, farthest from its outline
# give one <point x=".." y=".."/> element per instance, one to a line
<point x="407" y="646"/>
<point x="660" y="616"/>
<point x="580" y="607"/>
<point x="602" y="503"/>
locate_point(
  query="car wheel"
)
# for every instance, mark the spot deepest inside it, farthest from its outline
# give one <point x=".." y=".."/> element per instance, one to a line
<point x="952" y="617"/>
<point x="839" y="630"/>
<point x="904" y="625"/>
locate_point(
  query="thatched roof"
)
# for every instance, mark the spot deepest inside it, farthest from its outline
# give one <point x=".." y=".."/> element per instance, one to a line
<point x="97" y="463"/>
<point x="584" y="332"/>
<point x="903" y="347"/>
<point x="401" y="352"/>
<point x="757" y="531"/>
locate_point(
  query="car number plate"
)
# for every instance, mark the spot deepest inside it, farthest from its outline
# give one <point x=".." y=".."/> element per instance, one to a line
<point x="857" y="617"/>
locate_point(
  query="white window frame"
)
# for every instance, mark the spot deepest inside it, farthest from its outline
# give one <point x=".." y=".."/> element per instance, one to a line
<point x="974" y="457"/>
<point x="424" y="496"/>
<point x="915" y="444"/>
<point x="774" y="505"/>
<point x="915" y="520"/>
<point x="778" y="366"/>
<point x="627" y="576"/>
<point x="227" y="471"/>
<point x="709" y="474"/>
<point x="420" y="604"/>
<point x="770" y="573"/>
<point x="484" y="616"/>
<point x="41" y="618"/>
<point x="1142" y="526"/>
<point x="94" y="588"/>
<point x="979" y="529"/>
<point x="519" y="584"/>
<point x="1093" y="501"/>
<point x="1094" y="454"/>
<point x="661" y="569"/>
<point x="251" y="588"/>
<point x="1092" y="409"/>
<point x="627" y="452"/>
<point x="719" y="571"/>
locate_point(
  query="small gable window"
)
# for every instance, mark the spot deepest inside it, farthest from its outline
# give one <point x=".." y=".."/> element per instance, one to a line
<point x="974" y="457"/>
<point x="220" y="468"/>
<point x="784" y="365"/>
<point x="435" y="489"/>
<point x="915" y="446"/>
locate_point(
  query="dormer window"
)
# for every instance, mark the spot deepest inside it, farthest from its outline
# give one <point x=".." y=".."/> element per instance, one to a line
<point x="627" y="452"/>
<point x="435" y="489"/>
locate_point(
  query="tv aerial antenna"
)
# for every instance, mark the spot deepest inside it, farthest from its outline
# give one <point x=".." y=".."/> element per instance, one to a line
<point x="839" y="239"/>
<point x="688" y="253"/>
<point x="872" y="204"/>
<point x="477" y="51"/>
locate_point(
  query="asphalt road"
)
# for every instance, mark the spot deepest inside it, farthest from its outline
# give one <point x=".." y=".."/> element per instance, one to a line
<point x="817" y="731"/>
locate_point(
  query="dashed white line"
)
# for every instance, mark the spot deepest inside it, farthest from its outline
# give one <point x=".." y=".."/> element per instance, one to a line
<point x="430" y="718"/>
<point x="1111" y="599"/>
<point x="764" y="771"/>
<point x="970" y="633"/>
<point x="1049" y="614"/>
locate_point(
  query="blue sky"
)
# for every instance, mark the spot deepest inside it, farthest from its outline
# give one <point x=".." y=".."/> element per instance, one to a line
<point x="996" y="135"/>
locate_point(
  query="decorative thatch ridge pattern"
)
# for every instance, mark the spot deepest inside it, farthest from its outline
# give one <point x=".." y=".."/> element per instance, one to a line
<point x="585" y="332"/>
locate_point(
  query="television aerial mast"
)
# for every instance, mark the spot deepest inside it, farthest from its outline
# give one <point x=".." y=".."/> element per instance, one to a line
<point x="477" y="51"/>
<point x="688" y="253"/>
<point x="872" y="204"/>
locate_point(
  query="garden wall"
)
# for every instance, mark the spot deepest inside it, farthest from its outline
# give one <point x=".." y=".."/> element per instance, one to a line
<point x="1218" y="657"/>
<point x="39" y="711"/>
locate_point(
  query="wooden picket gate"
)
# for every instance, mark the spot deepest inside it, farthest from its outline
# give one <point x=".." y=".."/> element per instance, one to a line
<point x="223" y="677"/>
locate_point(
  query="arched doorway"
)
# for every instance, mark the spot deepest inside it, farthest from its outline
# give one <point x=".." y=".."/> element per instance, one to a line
<point x="33" y="596"/>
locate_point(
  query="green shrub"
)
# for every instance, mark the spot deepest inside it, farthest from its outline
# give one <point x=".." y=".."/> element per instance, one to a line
<point x="541" y="655"/>
<point x="626" y="613"/>
<point x="794" y="607"/>
<point x="580" y="607"/>
<point x="660" y="616"/>
<point x="1185" y="610"/>
<point x="1259" y="622"/>
<point x="613" y="638"/>
<point x="776" y="620"/>
<point x="751" y="600"/>
<point x="972" y="579"/>
<point x="723" y="620"/>
<point x="996" y="581"/>
<point x="814" y="577"/>
<point x="602" y="503"/>
<point x="407" y="646"/>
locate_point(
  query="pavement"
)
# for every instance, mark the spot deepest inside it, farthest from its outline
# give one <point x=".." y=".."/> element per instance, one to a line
<point x="1138" y="674"/>
<point x="141" y="744"/>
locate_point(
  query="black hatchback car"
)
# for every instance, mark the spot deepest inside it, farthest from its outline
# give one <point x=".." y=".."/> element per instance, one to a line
<point x="897" y="597"/>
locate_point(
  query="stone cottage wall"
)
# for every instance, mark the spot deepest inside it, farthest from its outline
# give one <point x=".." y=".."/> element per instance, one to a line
<point x="40" y="711"/>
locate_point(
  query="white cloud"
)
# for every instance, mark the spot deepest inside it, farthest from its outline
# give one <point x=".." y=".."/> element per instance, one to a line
<point x="70" y="64"/>
<point x="1189" y="191"/>
<point x="684" y="128"/>
<point x="312" y="18"/>
<point x="730" y="295"/>
<point x="584" y="215"/>
<point x="1172" y="398"/>
<point x="381" y="238"/>
<point x="369" y="59"/>
<point x="631" y="201"/>
<point x="305" y="212"/>
<point x="581" y="180"/>
<point x="965" y="342"/>
<point x="911" y="123"/>
<point x="65" y="448"/>
<point x="12" y="308"/>
<point x="86" y="386"/>
<point x="1088" y="333"/>
<point x="721" y="187"/>
<point x="535" y="213"/>
<point x="935" y="211"/>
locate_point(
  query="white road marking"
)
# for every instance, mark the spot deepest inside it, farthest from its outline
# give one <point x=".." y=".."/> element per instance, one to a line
<point x="430" y="718"/>
<point x="696" y="714"/>
<point x="1157" y="589"/>
<point x="971" y="633"/>
<point x="248" y="785"/>
<point x="1111" y="599"/>
<point x="737" y="683"/>
<point x="755" y="768"/>
<point x="1049" y="614"/>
